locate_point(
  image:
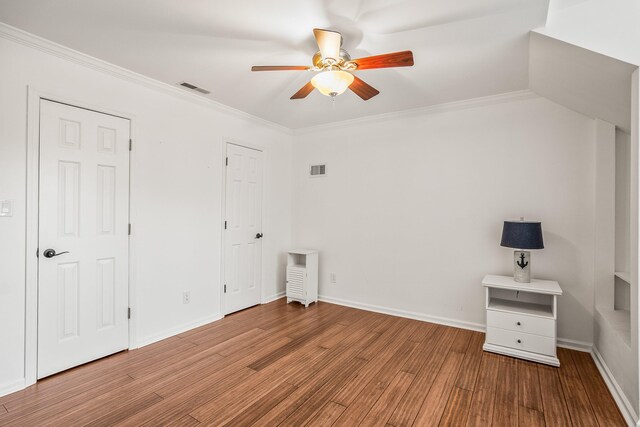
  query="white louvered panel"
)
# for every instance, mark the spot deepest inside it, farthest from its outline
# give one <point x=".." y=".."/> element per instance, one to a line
<point x="295" y="282"/>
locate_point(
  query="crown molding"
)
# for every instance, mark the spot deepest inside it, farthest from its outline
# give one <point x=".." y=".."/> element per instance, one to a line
<point x="47" y="46"/>
<point x="431" y="109"/>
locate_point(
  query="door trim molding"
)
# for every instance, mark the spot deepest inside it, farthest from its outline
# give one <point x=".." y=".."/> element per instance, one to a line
<point x="34" y="95"/>
<point x="258" y="147"/>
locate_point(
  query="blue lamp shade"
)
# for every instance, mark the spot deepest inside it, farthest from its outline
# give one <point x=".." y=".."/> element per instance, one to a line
<point x="522" y="235"/>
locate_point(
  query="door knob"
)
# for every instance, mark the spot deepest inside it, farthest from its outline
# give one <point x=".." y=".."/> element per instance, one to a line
<point x="259" y="236"/>
<point x="50" y="253"/>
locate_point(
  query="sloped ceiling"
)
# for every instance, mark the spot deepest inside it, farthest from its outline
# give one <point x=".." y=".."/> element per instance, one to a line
<point x="609" y="27"/>
<point x="463" y="49"/>
<point x="585" y="56"/>
<point x="588" y="82"/>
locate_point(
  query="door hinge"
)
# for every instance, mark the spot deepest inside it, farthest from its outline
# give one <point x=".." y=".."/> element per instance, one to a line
<point x="130" y="144"/>
<point x="129" y="313"/>
<point x="225" y="288"/>
<point x="226" y="162"/>
<point x="38" y="253"/>
<point x="129" y="231"/>
<point x="225" y="225"/>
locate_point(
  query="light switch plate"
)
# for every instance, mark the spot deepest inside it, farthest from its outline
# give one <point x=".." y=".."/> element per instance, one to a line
<point x="6" y="208"/>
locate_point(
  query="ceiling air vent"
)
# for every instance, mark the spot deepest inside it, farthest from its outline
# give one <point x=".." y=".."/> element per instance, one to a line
<point x="318" y="170"/>
<point x="194" y="87"/>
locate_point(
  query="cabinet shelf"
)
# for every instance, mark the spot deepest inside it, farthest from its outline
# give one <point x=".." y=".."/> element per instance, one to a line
<point x="623" y="275"/>
<point x="511" y="306"/>
<point x="297" y="265"/>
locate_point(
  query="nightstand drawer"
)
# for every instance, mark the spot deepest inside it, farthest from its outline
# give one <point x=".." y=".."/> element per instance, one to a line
<point x="521" y="341"/>
<point x="522" y="323"/>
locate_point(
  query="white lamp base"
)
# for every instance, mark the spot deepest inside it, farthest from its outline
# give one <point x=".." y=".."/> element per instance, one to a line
<point x="522" y="266"/>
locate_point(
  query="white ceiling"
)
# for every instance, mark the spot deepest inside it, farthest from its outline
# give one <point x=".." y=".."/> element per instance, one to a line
<point x="463" y="49"/>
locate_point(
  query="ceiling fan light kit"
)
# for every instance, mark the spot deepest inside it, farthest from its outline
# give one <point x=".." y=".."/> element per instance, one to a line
<point x="336" y="68"/>
<point x="332" y="83"/>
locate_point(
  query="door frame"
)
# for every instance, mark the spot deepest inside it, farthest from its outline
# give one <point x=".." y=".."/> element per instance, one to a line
<point x="34" y="96"/>
<point x="223" y="157"/>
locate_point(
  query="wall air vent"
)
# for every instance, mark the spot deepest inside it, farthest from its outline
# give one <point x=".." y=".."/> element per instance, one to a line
<point x="194" y="87"/>
<point x="318" y="170"/>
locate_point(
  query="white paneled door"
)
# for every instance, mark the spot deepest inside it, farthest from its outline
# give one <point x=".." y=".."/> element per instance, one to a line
<point x="243" y="239"/>
<point x="83" y="280"/>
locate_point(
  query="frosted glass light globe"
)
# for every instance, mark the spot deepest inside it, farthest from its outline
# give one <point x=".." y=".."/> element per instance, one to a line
<point x="332" y="83"/>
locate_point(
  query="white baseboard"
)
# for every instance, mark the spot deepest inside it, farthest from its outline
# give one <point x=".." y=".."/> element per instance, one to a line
<point x="274" y="297"/>
<point x="403" y="313"/>
<point x="10" y="387"/>
<point x="463" y="324"/>
<point x="150" y="339"/>
<point x="583" y="346"/>
<point x="627" y="410"/>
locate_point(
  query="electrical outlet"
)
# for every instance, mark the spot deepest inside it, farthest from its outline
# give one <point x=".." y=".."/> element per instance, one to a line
<point x="186" y="297"/>
<point x="334" y="279"/>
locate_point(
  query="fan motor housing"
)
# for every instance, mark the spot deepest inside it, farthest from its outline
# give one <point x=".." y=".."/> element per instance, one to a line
<point x="317" y="58"/>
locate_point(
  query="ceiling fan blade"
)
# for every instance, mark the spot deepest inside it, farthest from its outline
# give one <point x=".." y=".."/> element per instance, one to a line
<point x="329" y="43"/>
<point x="388" y="60"/>
<point x="362" y="89"/>
<point x="278" y="67"/>
<point x="303" y="92"/>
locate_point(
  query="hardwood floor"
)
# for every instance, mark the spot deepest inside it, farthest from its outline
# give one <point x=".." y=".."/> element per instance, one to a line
<point x="280" y="364"/>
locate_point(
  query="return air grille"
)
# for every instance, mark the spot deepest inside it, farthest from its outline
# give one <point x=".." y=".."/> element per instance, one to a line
<point x="318" y="170"/>
<point x="194" y="87"/>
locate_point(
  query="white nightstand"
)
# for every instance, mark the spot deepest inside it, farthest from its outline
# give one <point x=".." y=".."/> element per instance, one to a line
<point x="521" y="318"/>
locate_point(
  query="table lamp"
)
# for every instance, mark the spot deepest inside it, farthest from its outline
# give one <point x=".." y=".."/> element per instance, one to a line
<point x="521" y="235"/>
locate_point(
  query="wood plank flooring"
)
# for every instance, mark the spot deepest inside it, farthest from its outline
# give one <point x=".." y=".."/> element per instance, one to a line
<point x="327" y="365"/>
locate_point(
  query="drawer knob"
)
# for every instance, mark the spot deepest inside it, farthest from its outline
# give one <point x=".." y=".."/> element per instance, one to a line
<point x="519" y="341"/>
<point x="518" y="323"/>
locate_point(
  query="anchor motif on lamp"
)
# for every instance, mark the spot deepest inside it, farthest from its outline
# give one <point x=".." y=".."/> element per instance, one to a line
<point x="522" y="263"/>
<point x="522" y="235"/>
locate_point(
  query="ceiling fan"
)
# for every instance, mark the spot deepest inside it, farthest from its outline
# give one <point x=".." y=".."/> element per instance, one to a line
<point x="336" y="67"/>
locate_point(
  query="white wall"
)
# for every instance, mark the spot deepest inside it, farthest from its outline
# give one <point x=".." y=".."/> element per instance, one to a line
<point x="410" y="214"/>
<point x="605" y="213"/>
<point x="176" y="195"/>
<point x="611" y="326"/>
<point x="616" y="316"/>
<point x="634" y="202"/>
<point x="622" y="220"/>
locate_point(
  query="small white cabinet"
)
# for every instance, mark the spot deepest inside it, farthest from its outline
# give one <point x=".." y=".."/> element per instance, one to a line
<point x="521" y="318"/>
<point x="302" y="276"/>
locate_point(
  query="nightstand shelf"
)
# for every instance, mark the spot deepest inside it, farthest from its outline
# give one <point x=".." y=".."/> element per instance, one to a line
<point x="510" y="306"/>
<point x="521" y="318"/>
